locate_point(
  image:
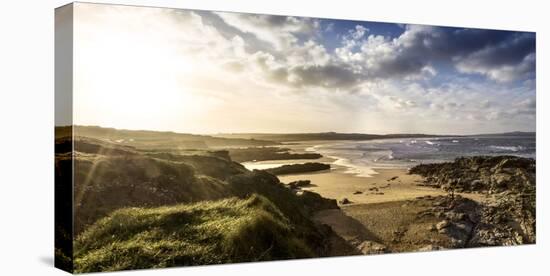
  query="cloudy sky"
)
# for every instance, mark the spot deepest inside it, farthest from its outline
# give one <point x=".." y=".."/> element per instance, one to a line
<point x="212" y="72"/>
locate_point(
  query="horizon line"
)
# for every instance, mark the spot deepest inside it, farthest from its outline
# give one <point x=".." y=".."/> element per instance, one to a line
<point x="298" y="133"/>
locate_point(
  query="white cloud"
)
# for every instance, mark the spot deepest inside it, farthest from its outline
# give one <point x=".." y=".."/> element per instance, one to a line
<point x="279" y="31"/>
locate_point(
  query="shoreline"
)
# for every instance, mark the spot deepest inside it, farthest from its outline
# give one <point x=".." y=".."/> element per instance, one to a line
<point x="381" y="185"/>
<point x="391" y="210"/>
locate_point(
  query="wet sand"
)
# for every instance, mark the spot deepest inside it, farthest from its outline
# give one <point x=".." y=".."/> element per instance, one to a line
<point x="386" y="186"/>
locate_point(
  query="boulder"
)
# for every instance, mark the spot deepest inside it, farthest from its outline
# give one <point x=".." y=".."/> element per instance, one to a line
<point x="298" y="184"/>
<point x="371" y="247"/>
<point x="316" y="202"/>
<point x="344" y="201"/>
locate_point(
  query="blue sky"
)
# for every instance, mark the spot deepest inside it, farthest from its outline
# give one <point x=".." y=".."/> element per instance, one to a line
<point x="213" y="72"/>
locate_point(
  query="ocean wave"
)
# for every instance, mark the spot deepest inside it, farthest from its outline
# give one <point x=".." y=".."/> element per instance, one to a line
<point x="507" y="148"/>
<point x="350" y="168"/>
<point x="312" y="149"/>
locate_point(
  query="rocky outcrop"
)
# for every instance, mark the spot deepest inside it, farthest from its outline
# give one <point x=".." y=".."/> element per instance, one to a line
<point x="458" y="218"/>
<point x="491" y="174"/>
<point x="507" y="217"/>
<point x="299" y="168"/>
<point x="315" y="202"/>
<point x="344" y="201"/>
<point x="298" y="184"/>
<point x="268" y="153"/>
<point x="508" y="220"/>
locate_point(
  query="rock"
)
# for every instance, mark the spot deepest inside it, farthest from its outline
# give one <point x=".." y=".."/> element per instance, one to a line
<point x="506" y="217"/>
<point x="430" y="247"/>
<point x="371" y="247"/>
<point x="473" y="217"/>
<point x="316" y="202"/>
<point x="357" y="192"/>
<point x="442" y="224"/>
<point x="432" y="227"/>
<point x="466" y="227"/>
<point x="476" y="185"/>
<point x="457" y="243"/>
<point x="480" y="173"/>
<point x="298" y="168"/>
<point x="454" y="216"/>
<point x="500" y="180"/>
<point x="299" y="183"/>
<point x="344" y="201"/>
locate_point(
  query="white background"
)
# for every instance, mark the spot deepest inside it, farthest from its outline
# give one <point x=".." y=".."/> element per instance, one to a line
<point x="26" y="133"/>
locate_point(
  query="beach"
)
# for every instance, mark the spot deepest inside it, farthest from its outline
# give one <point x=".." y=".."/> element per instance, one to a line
<point x="345" y="181"/>
<point x="381" y="208"/>
<point x="384" y="186"/>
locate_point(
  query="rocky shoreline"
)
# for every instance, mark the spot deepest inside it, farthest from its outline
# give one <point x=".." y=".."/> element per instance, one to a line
<point x="506" y="217"/>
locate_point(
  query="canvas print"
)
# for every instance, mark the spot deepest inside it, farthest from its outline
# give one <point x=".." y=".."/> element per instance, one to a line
<point x="187" y="137"/>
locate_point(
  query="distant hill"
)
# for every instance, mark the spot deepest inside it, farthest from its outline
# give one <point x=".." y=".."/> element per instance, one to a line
<point x="290" y="137"/>
<point x="319" y="136"/>
<point x="146" y="139"/>
<point x="513" y="133"/>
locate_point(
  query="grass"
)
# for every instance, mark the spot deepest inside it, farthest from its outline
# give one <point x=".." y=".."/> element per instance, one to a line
<point x="209" y="232"/>
<point x="136" y="209"/>
<point x="104" y="183"/>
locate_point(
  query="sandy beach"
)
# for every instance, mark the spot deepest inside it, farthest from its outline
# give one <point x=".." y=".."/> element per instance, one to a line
<point x="383" y="208"/>
<point x="384" y="185"/>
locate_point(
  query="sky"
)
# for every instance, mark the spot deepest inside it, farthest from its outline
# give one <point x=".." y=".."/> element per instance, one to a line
<point x="218" y="72"/>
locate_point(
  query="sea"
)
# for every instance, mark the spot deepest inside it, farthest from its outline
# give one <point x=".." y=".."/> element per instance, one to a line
<point x="364" y="157"/>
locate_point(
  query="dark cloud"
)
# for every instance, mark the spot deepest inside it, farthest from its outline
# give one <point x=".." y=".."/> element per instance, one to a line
<point x="330" y="76"/>
<point x="473" y="50"/>
<point x="500" y="55"/>
<point x="299" y="76"/>
<point x="511" y="51"/>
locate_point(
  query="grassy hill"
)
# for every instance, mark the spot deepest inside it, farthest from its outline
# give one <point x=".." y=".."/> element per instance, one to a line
<point x="209" y="232"/>
<point x="145" y="209"/>
<point x="145" y="139"/>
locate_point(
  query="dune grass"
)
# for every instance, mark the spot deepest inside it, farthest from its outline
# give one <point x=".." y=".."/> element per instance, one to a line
<point x="209" y="232"/>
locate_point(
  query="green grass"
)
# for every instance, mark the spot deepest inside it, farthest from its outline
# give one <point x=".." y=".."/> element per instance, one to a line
<point x="138" y="209"/>
<point x="209" y="232"/>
